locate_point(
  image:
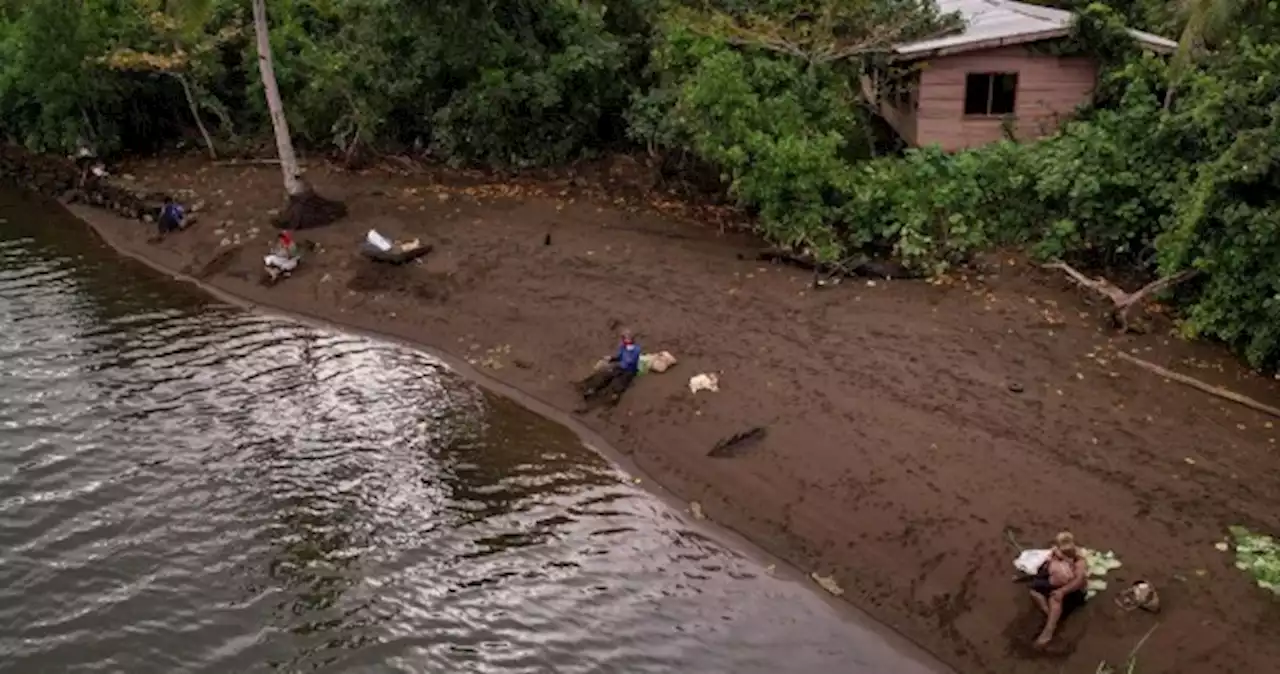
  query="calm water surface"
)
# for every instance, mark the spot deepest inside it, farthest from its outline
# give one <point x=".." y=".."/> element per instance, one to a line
<point x="190" y="487"/>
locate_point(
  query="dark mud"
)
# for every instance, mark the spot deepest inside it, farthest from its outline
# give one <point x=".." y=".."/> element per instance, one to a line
<point x="909" y="424"/>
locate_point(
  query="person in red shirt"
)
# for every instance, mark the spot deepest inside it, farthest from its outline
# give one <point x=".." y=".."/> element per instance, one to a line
<point x="283" y="257"/>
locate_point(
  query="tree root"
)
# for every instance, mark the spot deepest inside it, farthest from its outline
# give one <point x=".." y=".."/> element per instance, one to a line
<point x="1123" y="302"/>
<point x="309" y="211"/>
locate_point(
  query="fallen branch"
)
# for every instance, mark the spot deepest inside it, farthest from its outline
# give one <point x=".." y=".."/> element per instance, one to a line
<point x="1013" y="540"/>
<point x="251" y="162"/>
<point x="857" y="266"/>
<point x="738" y="443"/>
<point x="406" y="165"/>
<point x="1131" y="663"/>
<point x="1216" y="391"/>
<point x="1123" y="302"/>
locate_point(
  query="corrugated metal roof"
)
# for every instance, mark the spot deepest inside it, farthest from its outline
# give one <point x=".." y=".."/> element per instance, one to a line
<point x="994" y="23"/>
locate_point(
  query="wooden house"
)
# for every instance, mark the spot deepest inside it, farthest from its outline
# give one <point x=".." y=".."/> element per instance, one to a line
<point x="995" y="78"/>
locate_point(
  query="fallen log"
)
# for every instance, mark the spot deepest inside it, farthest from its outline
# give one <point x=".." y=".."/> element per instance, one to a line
<point x="251" y="162"/>
<point x="738" y="443"/>
<point x="865" y="267"/>
<point x="1216" y="391"/>
<point x="1122" y="302"/>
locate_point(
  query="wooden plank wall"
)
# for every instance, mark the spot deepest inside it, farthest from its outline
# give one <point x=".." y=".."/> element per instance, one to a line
<point x="1050" y="88"/>
<point x="901" y="115"/>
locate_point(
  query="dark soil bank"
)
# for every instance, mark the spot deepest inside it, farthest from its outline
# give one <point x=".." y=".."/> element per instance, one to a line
<point x="909" y="424"/>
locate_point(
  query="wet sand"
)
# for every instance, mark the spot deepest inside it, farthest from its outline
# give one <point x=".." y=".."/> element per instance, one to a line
<point x="910" y="425"/>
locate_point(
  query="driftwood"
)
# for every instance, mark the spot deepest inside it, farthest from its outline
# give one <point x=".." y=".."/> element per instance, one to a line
<point x="1122" y="302"/>
<point x="738" y="443"/>
<point x="252" y="162"/>
<point x="1216" y="391"/>
<point x="408" y="164"/>
<point x="834" y="271"/>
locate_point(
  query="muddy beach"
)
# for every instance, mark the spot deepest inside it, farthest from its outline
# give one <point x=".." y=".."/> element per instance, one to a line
<point x="910" y="424"/>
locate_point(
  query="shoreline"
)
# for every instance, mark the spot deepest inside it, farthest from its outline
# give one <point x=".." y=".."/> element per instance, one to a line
<point x="96" y="221"/>
<point x="898" y="450"/>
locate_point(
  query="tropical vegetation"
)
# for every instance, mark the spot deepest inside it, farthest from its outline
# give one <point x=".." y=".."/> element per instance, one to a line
<point x="1176" y="167"/>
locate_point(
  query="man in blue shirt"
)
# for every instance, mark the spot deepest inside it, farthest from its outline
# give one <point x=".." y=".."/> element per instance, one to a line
<point x="609" y="383"/>
<point x="628" y="357"/>
<point x="171" y="217"/>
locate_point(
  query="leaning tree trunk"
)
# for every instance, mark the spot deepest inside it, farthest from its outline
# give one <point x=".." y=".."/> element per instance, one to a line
<point x="306" y="208"/>
<point x="195" y="114"/>
<point x="294" y="185"/>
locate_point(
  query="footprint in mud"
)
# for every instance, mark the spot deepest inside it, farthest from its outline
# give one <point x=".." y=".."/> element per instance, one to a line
<point x="376" y="278"/>
<point x="1025" y="628"/>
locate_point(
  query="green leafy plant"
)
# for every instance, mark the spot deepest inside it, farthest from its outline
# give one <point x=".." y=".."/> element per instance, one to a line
<point x="1259" y="556"/>
<point x="1100" y="564"/>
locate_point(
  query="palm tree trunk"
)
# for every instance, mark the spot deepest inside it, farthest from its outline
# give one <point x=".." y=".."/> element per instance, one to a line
<point x="294" y="185"/>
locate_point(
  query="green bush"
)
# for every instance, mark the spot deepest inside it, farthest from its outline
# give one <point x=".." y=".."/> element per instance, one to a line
<point x="779" y="131"/>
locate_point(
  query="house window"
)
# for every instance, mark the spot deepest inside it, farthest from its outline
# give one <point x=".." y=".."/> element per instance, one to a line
<point x="987" y="94"/>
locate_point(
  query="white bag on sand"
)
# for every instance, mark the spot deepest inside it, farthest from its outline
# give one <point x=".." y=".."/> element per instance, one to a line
<point x="377" y="240"/>
<point x="1030" y="561"/>
<point x="704" y="382"/>
<point x="657" y="362"/>
<point x="281" y="262"/>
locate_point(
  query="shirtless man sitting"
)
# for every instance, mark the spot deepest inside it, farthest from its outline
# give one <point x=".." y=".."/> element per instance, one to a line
<point x="1059" y="587"/>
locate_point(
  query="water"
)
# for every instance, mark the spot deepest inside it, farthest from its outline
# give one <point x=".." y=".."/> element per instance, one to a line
<point x="190" y="487"/>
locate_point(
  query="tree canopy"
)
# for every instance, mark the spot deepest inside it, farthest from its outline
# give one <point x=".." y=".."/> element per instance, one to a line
<point x="1176" y="167"/>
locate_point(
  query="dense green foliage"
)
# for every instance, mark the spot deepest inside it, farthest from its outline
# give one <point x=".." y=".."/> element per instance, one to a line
<point x="1176" y="167"/>
<point x="535" y="81"/>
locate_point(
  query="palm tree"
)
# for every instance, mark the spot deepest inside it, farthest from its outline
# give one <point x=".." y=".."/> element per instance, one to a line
<point x="306" y="208"/>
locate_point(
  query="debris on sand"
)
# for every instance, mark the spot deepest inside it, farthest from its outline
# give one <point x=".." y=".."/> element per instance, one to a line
<point x="827" y="583"/>
<point x="1258" y="555"/>
<point x="1100" y="564"/>
<point x="738" y="443"/>
<point x="695" y="509"/>
<point x="378" y="248"/>
<point x="704" y="382"/>
<point x="1140" y="595"/>
<point x="493" y="357"/>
